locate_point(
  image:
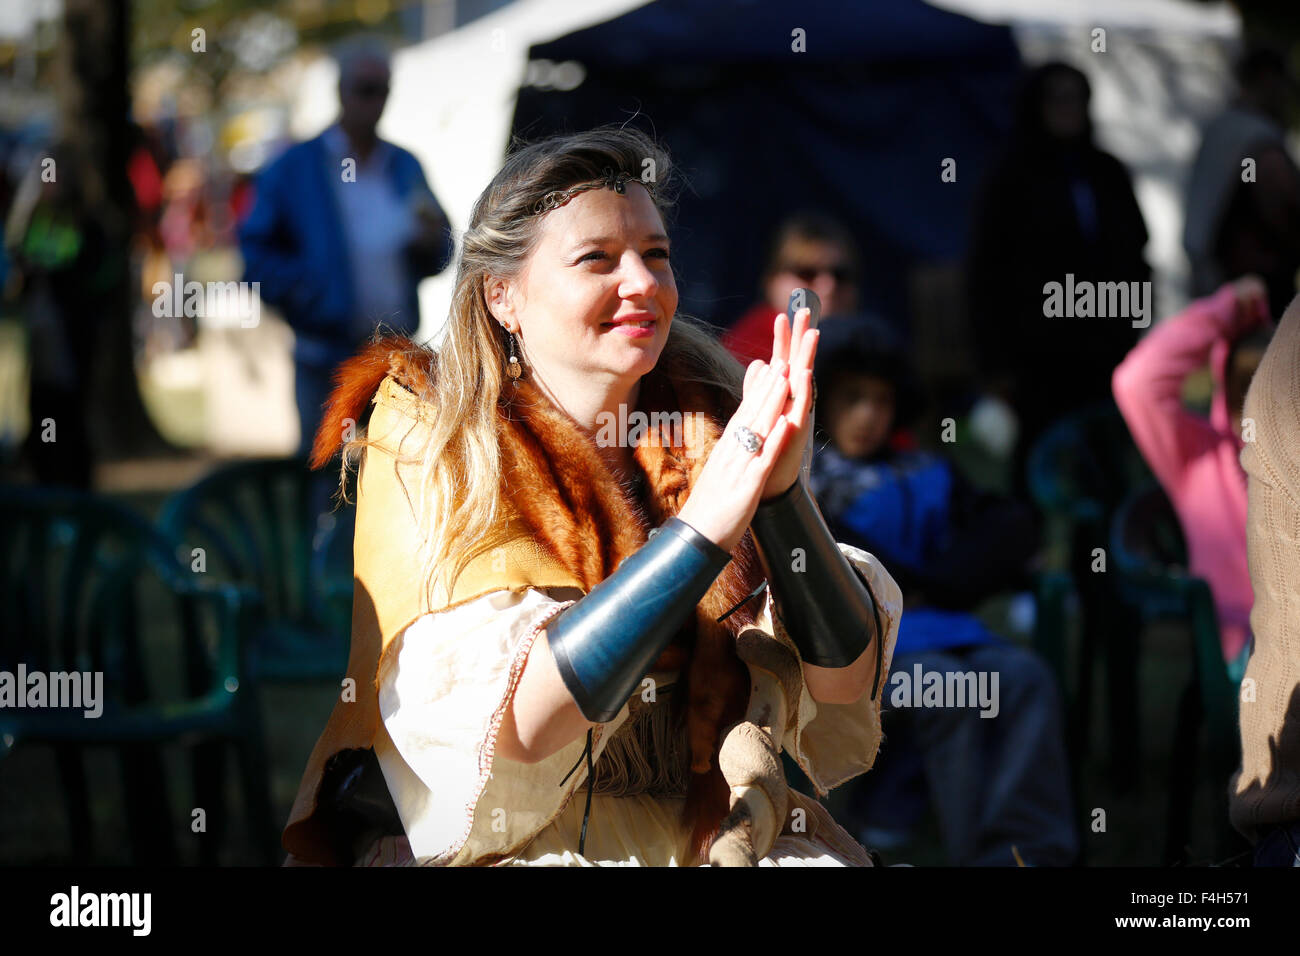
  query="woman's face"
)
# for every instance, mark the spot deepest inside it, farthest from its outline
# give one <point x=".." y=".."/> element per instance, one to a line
<point x="597" y="295"/>
<point x="859" y="414"/>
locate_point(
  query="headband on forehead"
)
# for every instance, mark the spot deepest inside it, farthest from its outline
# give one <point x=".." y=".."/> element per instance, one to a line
<point x="610" y="180"/>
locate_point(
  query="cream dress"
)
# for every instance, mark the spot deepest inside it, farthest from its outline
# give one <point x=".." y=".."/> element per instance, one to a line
<point x="443" y="689"/>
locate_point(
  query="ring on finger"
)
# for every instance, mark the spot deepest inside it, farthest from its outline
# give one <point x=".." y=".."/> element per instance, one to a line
<point x="749" y="439"/>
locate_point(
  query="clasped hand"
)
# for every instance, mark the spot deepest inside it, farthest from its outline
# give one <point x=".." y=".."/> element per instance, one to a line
<point x="776" y="405"/>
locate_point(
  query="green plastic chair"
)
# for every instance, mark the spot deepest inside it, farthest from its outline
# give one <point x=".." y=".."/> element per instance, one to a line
<point x="89" y="586"/>
<point x="1151" y="560"/>
<point x="1084" y="465"/>
<point x="1078" y="473"/>
<point x="267" y="524"/>
<point x="331" y="568"/>
<point x="1053" y="591"/>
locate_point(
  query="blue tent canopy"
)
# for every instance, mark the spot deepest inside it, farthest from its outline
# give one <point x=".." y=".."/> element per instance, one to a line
<point x="858" y="126"/>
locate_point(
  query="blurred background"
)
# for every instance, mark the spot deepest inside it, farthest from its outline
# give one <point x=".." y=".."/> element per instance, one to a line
<point x="902" y="161"/>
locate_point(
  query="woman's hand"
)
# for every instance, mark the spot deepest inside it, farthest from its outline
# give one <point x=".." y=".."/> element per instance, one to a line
<point x="726" y="494"/>
<point x="1252" y="301"/>
<point x="796" y="352"/>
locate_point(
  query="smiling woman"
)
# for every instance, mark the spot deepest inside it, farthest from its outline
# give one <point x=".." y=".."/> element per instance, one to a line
<point x="541" y="610"/>
<point x="593" y="306"/>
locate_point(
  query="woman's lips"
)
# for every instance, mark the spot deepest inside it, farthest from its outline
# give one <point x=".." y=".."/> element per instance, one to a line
<point x="632" y="328"/>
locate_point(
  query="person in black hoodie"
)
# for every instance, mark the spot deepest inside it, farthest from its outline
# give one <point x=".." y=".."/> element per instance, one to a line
<point x="1054" y="205"/>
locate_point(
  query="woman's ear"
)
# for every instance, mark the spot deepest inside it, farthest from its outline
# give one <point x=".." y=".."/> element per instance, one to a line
<point x="500" y="301"/>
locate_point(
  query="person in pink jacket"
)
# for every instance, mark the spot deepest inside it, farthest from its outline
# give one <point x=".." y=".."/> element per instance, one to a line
<point x="1197" y="460"/>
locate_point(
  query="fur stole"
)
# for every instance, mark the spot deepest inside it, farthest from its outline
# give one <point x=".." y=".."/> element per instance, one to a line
<point x="590" y="519"/>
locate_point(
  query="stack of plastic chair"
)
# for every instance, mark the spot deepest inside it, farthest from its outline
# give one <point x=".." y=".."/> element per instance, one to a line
<point x="265" y="524"/>
<point x="1078" y="473"/>
<point x="1151" y="560"/>
<point x="89" y="587"/>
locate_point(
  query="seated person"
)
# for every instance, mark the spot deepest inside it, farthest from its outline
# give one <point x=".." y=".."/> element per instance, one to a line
<point x="1197" y="459"/>
<point x="995" y="767"/>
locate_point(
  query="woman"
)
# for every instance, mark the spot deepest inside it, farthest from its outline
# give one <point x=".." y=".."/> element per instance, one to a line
<point x="545" y="598"/>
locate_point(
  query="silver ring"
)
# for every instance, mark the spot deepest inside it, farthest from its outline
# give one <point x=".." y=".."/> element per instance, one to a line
<point x="748" y="439"/>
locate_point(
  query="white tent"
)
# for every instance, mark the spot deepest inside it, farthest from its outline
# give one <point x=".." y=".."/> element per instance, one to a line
<point x="1168" y="16"/>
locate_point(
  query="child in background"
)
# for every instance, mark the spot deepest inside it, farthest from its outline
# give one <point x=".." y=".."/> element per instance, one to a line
<point x="1197" y="460"/>
<point x="995" y="781"/>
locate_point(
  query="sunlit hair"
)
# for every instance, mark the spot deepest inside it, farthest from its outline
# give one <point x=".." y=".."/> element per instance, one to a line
<point x="459" y="465"/>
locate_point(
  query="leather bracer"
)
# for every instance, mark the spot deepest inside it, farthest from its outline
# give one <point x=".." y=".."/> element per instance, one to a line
<point x="607" y="642"/>
<point x="825" y="603"/>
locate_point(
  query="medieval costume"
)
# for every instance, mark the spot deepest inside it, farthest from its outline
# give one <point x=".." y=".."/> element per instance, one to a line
<point x="691" y="752"/>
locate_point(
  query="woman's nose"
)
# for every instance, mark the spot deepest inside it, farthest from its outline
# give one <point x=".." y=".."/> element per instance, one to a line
<point x="637" y="279"/>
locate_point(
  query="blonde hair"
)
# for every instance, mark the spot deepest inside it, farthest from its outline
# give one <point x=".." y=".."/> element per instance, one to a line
<point x="458" y="466"/>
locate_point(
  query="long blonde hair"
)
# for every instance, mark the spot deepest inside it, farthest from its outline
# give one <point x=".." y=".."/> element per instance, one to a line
<point x="459" y="465"/>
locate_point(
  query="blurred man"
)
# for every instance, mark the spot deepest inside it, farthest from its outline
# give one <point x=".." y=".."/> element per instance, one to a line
<point x="343" y="228"/>
<point x="811" y="251"/>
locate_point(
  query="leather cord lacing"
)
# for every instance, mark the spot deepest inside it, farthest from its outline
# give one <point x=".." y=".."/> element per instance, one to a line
<point x="586" y="752"/>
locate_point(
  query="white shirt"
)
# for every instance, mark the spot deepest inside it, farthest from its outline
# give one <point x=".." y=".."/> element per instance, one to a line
<point x="378" y="224"/>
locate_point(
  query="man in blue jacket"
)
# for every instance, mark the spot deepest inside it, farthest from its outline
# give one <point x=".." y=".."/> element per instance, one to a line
<point x="342" y="229"/>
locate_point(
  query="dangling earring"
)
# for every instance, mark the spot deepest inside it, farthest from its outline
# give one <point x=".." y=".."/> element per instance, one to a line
<point x="513" y="368"/>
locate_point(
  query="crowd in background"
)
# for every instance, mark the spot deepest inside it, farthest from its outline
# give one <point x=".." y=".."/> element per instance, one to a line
<point x="339" y="263"/>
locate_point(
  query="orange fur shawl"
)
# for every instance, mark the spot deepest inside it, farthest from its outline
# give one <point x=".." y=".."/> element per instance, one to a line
<point x="575" y="507"/>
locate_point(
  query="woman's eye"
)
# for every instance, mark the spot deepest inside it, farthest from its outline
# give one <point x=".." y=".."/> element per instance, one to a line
<point x="658" y="252"/>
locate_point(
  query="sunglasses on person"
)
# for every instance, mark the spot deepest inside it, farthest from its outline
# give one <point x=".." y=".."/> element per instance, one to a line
<point x="809" y="274"/>
<point x="370" y="91"/>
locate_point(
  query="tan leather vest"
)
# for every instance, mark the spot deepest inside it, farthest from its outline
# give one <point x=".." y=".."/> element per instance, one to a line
<point x="388" y="593"/>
